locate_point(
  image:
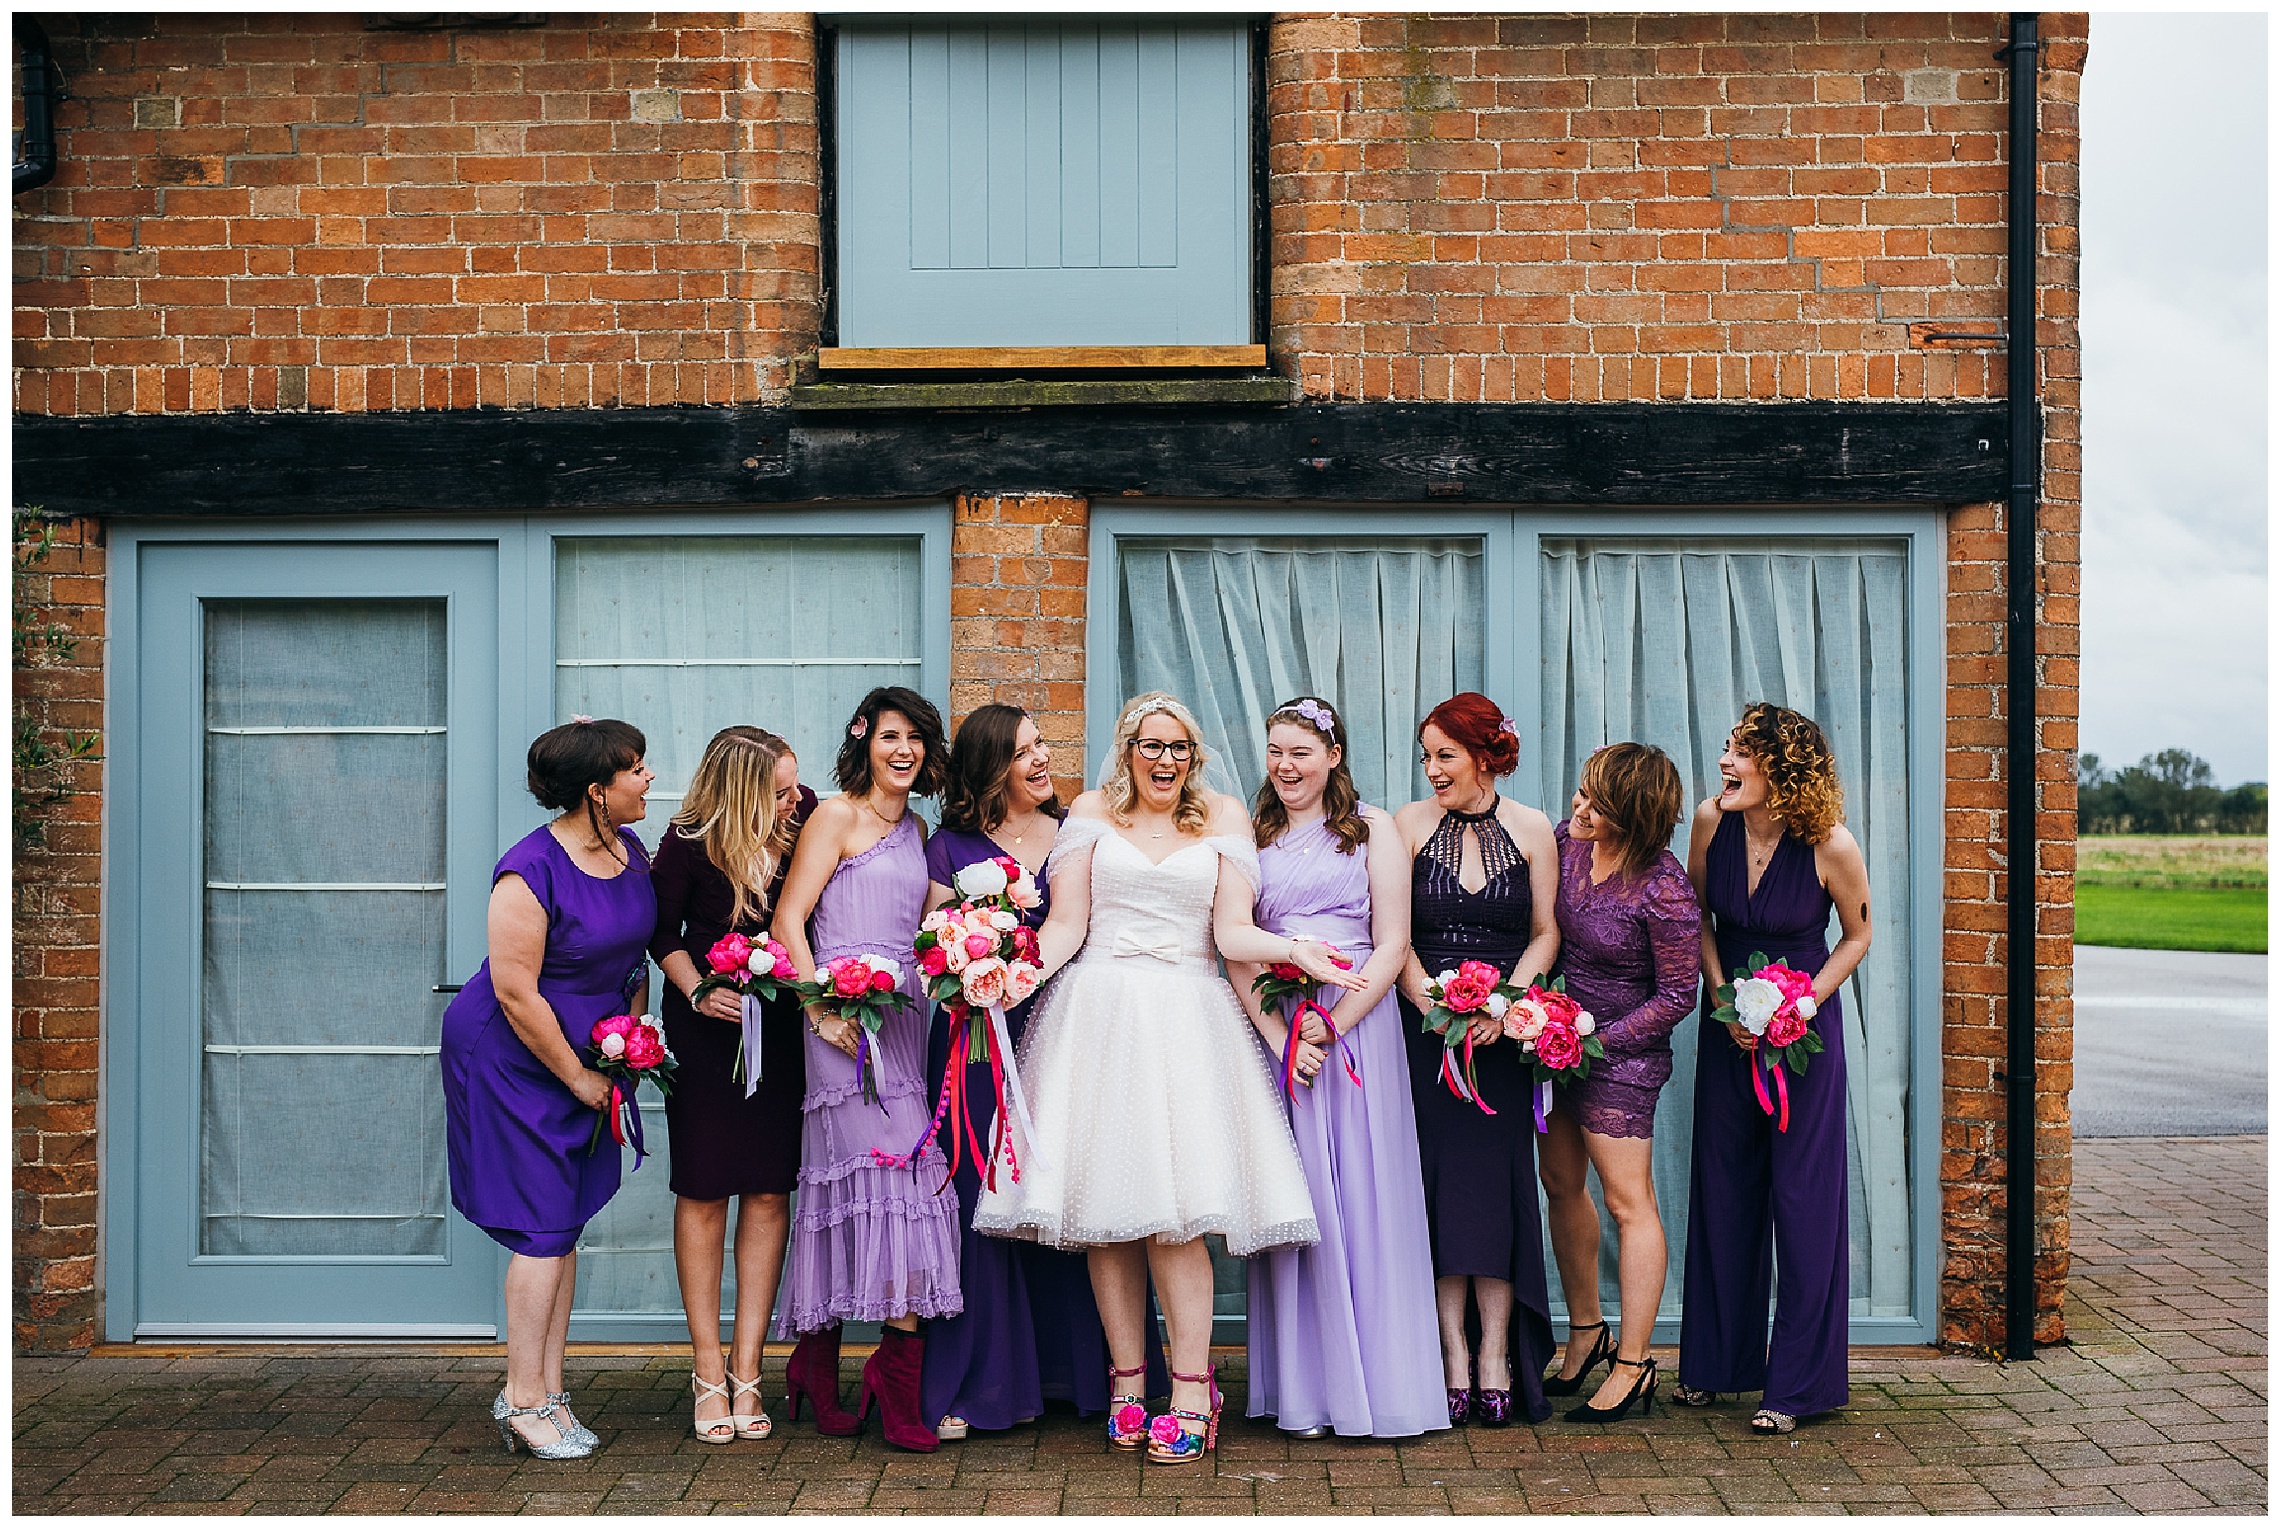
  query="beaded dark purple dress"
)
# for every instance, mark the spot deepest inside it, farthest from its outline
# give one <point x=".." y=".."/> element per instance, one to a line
<point x="1768" y="1207"/>
<point x="1030" y="1331"/>
<point x="1482" y="1204"/>
<point x="1631" y="954"/>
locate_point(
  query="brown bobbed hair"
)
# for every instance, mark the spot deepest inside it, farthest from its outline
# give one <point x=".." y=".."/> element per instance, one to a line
<point x="1636" y="788"/>
<point x="1341" y="800"/>
<point x="976" y="796"/>
<point x="1802" y="789"/>
<point x="1475" y="723"/>
<point x="565" y="762"/>
<point x="852" y="769"/>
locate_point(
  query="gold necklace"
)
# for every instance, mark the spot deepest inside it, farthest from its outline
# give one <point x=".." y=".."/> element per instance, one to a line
<point x="883" y="817"/>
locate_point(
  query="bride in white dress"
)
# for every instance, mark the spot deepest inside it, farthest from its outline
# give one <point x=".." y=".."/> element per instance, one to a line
<point x="1156" y="1113"/>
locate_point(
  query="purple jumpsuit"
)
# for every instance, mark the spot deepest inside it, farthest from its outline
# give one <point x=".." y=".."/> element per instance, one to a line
<point x="1764" y="1198"/>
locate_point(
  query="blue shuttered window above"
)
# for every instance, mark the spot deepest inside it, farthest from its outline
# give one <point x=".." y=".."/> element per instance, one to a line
<point x="1044" y="182"/>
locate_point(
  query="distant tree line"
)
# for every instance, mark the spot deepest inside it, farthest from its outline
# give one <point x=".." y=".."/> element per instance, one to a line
<point x="2172" y="791"/>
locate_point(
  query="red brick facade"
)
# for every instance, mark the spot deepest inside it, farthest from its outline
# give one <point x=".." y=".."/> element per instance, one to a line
<point x="295" y="212"/>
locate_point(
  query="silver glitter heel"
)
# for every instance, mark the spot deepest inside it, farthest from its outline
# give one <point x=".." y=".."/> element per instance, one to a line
<point x="567" y="1420"/>
<point x="563" y="1447"/>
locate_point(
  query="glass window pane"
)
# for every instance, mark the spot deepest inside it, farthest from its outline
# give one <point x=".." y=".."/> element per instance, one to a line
<point x="1664" y="642"/>
<point x="323" y="927"/>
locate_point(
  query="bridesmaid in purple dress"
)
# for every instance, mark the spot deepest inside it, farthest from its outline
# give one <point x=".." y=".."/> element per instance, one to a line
<point x="871" y="1240"/>
<point x="571" y="909"/>
<point x="743" y="810"/>
<point x="1631" y="954"/>
<point x="1771" y="855"/>
<point x="1342" y="1332"/>
<point x="1484" y="874"/>
<point x="1030" y="1331"/>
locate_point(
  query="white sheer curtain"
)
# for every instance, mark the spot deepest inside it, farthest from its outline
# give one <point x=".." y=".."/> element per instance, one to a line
<point x="683" y="636"/>
<point x="1664" y="642"/>
<point x="1234" y="625"/>
<point x="321" y="1109"/>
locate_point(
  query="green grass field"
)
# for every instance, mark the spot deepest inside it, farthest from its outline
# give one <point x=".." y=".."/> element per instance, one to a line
<point x="2153" y="892"/>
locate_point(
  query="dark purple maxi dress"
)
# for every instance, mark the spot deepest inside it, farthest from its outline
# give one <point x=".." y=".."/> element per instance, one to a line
<point x="1482" y="1205"/>
<point x="1030" y="1331"/>
<point x="516" y="1137"/>
<point x="724" y="1143"/>
<point x="1762" y="1198"/>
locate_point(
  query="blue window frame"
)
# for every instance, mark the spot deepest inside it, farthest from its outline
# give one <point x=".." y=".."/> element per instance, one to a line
<point x="539" y="615"/>
<point x="1043" y="181"/>
<point x="1595" y="626"/>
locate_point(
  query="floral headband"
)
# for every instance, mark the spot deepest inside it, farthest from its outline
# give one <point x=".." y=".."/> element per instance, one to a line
<point x="1318" y="716"/>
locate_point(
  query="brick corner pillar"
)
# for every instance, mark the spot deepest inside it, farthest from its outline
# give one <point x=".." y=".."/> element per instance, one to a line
<point x="57" y="970"/>
<point x="1018" y="565"/>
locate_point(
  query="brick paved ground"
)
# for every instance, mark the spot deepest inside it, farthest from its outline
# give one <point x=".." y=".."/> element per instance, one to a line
<point x="2158" y="1406"/>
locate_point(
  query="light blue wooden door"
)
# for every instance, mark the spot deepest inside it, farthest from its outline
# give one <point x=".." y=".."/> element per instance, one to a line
<point x="1044" y="181"/>
<point x="315" y="751"/>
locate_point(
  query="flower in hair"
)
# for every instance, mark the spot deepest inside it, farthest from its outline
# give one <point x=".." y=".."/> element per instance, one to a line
<point x="1504" y="725"/>
<point x="859" y="727"/>
<point x="1319" y="716"/>
<point x="579" y="719"/>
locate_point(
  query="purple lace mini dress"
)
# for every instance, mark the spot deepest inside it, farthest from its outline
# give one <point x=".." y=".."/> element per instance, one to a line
<point x="1631" y="950"/>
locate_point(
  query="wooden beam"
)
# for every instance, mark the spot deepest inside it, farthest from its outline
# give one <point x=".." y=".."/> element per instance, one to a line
<point x="1046" y="358"/>
<point x="492" y="460"/>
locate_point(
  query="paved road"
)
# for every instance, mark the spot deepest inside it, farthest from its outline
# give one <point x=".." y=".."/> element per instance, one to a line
<point x="2168" y="1042"/>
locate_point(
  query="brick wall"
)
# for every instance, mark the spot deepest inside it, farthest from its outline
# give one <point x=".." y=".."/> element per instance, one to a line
<point x="276" y="211"/>
<point x="1605" y="207"/>
<point x="1017" y="618"/>
<point x="56" y="971"/>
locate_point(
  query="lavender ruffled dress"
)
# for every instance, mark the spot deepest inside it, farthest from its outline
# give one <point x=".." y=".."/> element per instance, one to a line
<point x="1343" y="1333"/>
<point x="870" y="1240"/>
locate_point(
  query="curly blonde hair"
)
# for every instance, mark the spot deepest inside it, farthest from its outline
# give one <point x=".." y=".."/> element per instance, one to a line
<point x="1192" y="814"/>
<point x="1802" y="789"/>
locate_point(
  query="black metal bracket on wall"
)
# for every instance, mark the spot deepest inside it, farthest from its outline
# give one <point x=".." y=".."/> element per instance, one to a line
<point x="491" y="460"/>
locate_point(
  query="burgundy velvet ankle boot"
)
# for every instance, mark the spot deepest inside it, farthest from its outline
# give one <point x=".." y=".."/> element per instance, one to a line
<point x="891" y="1378"/>
<point x="814" y="1373"/>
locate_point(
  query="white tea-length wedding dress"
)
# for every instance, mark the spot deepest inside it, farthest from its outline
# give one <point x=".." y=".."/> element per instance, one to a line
<point x="1156" y="1112"/>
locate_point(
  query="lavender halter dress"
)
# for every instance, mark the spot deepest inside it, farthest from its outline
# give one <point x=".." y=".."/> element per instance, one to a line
<point x="869" y="1240"/>
<point x="1764" y="1200"/>
<point x="1343" y="1333"/>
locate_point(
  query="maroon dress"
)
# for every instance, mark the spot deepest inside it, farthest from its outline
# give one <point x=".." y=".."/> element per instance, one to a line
<point x="1631" y="954"/>
<point x="724" y="1144"/>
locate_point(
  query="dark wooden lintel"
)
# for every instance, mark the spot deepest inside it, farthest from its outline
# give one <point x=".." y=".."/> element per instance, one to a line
<point x="1680" y="454"/>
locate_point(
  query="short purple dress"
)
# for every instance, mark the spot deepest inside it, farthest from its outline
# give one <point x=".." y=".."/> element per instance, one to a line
<point x="1631" y="953"/>
<point x="1030" y="1331"/>
<point x="870" y="1240"/>
<point x="1343" y="1333"/>
<point x="725" y="1143"/>
<point x="520" y="1166"/>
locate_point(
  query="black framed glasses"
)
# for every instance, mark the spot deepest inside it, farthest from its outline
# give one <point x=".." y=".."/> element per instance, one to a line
<point x="1152" y="748"/>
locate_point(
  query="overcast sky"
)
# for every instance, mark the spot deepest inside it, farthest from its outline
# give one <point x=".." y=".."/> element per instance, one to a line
<point x="2174" y="389"/>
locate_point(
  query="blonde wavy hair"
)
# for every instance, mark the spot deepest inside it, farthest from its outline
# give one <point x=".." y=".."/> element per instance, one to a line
<point x="730" y="811"/>
<point x="1192" y="813"/>
<point x="1802" y="789"/>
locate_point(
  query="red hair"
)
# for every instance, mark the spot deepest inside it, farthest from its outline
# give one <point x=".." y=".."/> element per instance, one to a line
<point x="1473" y="722"/>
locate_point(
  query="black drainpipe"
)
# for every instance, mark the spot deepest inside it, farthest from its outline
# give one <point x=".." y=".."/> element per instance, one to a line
<point x="2019" y="583"/>
<point x="37" y="167"/>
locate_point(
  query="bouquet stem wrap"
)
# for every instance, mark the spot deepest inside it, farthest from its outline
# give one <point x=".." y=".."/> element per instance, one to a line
<point x="988" y="1026"/>
<point x="1760" y="1065"/>
<point x="623" y="1116"/>
<point x="1541" y="1095"/>
<point x="748" y="1051"/>
<point x="1338" y="1044"/>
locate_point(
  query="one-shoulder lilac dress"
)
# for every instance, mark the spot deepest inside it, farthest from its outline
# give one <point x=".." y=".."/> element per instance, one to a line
<point x="1030" y="1331"/>
<point x="1343" y="1333"/>
<point x="516" y="1137"/>
<point x="870" y="1240"/>
<point x="1765" y="1202"/>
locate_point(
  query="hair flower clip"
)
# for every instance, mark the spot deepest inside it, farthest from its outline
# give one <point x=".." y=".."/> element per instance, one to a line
<point x="1319" y="716"/>
<point x="859" y="727"/>
<point x="1505" y="726"/>
<point x="579" y="719"/>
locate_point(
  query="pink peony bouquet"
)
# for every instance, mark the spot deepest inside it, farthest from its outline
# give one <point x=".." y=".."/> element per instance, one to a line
<point x="756" y="971"/>
<point x="1769" y="1011"/>
<point x="979" y="957"/>
<point x="860" y="989"/>
<point x="1555" y="1033"/>
<point x="626" y="1048"/>
<point x="1284" y="980"/>
<point x="1453" y="1000"/>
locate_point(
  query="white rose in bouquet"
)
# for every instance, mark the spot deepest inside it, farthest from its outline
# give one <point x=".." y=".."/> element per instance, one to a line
<point x="983" y="878"/>
<point x="1756" y="1001"/>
